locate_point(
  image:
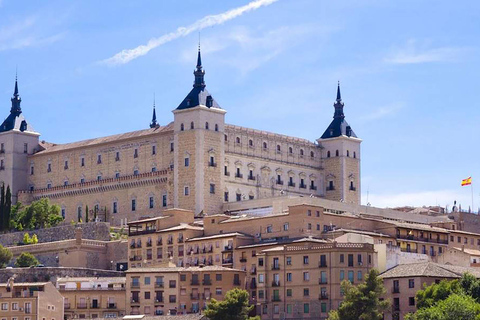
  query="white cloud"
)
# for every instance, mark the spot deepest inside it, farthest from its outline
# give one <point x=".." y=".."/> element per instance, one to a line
<point x="413" y="53"/>
<point x="421" y="198"/>
<point x="383" y="112"/>
<point x="128" y="55"/>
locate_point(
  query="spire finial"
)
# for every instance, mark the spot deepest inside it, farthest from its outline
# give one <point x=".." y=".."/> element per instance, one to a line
<point x="154" y="123"/>
<point x="339" y="96"/>
<point x="199" y="73"/>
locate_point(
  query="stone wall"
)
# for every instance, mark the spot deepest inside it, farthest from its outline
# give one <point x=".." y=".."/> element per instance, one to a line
<point x="51" y="274"/>
<point x="94" y="231"/>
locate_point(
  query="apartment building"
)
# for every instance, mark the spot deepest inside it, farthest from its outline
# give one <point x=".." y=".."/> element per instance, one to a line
<point x="30" y="301"/>
<point x="93" y="297"/>
<point x="178" y="290"/>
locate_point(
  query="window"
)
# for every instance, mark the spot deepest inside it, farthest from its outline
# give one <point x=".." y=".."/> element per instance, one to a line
<point x="14" y="306"/>
<point x="264" y="145"/>
<point x="99" y="158"/>
<point x="147" y="280"/>
<point x="250" y="143"/>
<point x="151" y="202"/>
<point x="269" y="228"/>
<point x="309" y="213"/>
<point x="82" y="162"/>
<point x="350" y="260"/>
<point x="261" y="278"/>
<point x="115" y="207"/>
<point x="305" y="259"/>
<point x="411" y="301"/>
<point x="225" y="196"/>
<point x="32" y="170"/>
<point x="290" y="150"/>
<point x="25" y="148"/>
<point x="336" y="153"/>
<point x="289" y="292"/>
<point x="134" y="204"/>
<point x="285" y="226"/>
<point x="164" y="200"/>
<point x="186" y="191"/>
<point x="301" y="152"/>
<point x="289" y="261"/>
<point x="212" y="188"/>
<point x="99" y="177"/>
<point x="154" y="150"/>
<point x="192" y="125"/>
<point x="306" y="276"/>
<point x="342" y="275"/>
<point x="306" y="308"/>
<point x="135" y="172"/>
<point x="238" y="197"/>
<point x="49" y="167"/>
<point x="4" y="306"/>
<point x="216" y="127"/>
<point x="237" y="139"/>
<point x="359" y="275"/>
<point x="348" y="153"/>
<point x="289" y="277"/>
<point x="171" y="147"/>
<point x="117" y="156"/>
<point x="206" y="125"/>
<point x="306" y="292"/>
<point x="312" y="154"/>
<point x="182" y="127"/>
<point x="411" y="283"/>
<point x="350" y="276"/>
<point x="354" y="154"/>
<point x="172" y="284"/>
<point x="279" y="149"/>
<point x="154" y="169"/>
<point x="218" y="277"/>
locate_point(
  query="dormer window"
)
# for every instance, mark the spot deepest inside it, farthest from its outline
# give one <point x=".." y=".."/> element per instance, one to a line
<point x="209" y="102"/>
<point x="188" y="102"/>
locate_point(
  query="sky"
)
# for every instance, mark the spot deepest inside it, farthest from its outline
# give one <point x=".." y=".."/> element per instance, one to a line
<point x="408" y="72"/>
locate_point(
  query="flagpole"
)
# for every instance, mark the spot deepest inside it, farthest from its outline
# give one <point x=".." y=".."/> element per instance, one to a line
<point x="471" y="187"/>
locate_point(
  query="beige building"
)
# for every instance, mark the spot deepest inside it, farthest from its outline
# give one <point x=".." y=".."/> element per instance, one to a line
<point x="30" y="301"/>
<point x="93" y="297"/>
<point x="403" y="281"/>
<point x="178" y="290"/>
<point x="197" y="162"/>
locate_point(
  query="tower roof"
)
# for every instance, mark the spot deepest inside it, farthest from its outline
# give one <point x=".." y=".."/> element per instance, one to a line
<point x="15" y="120"/>
<point x="154" y="123"/>
<point x="339" y="126"/>
<point x="199" y="94"/>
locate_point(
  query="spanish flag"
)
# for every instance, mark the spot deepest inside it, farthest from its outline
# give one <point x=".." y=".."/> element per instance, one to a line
<point x="467" y="182"/>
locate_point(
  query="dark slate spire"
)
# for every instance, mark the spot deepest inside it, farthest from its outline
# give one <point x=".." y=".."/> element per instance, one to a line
<point x="16" y="100"/>
<point x="154" y="123"/>
<point x="338" y="127"/>
<point x="199" y="94"/>
<point x="199" y="72"/>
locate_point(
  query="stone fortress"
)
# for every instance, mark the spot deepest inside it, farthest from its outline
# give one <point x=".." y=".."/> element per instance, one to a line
<point x="197" y="162"/>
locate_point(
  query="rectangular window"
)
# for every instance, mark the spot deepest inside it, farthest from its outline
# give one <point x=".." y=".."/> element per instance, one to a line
<point x="289" y="292"/>
<point x="411" y="301"/>
<point x="269" y="229"/>
<point x="323" y="277"/>
<point x="225" y="196"/>
<point x="350" y="276"/>
<point x="342" y="275"/>
<point x="411" y="283"/>
<point x="154" y="150"/>
<point x="186" y="191"/>
<point x="115" y="207"/>
<point x="25" y="148"/>
<point x="99" y="158"/>
<point x="342" y="258"/>
<point x="306" y="292"/>
<point x="147" y="280"/>
<point x="32" y="170"/>
<point x="306" y="308"/>
<point x="187" y="162"/>
<point x="289" y="261"/>
<point x="285" y="226"/>
<point x="212" y="188"/>
<point x="164" y="200"/>
<point x="171" y="147"/>
<point x="359" y="275"/>
<point x="306" y="276"/>
<point x="350" y="260"/>
<point x="218" y="277"/>
<point x="135" y="153"/>
<point x="151" y="202"/>
<point x="305" y="259"/>
<point x="134" y="204"/>
<point x="323" y="307"/>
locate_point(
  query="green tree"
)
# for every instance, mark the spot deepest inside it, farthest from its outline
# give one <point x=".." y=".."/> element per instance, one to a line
<point x="2" y="208"/>
<point x="436" y="292"/>
<point x="7" y="209"/>
<point x="26" y="259"/>
<point x="5" y="256"/>
<point x="39" y="214"/>
<point x="455" y="306"/>
<point x="235" y="306"/>
<point x="362" y="302"/>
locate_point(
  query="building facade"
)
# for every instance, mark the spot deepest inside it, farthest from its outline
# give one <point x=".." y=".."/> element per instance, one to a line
<point x="197" y="162"/>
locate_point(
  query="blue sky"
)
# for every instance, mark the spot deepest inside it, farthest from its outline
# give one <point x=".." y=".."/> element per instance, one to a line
<point x="408" y="72"/>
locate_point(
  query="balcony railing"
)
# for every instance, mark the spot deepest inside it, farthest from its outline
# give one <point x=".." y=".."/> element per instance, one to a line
<point x="243" y="259"/>
<point x="279" y="182"/>
<point x="276" y="298"/>
<point x="313" y="187"/>
<point x="227" y="261"/>
<point x="238" y="175"/>
<point x="195" y="282"/>
<point x="330" y="188"/>
<point x="323" y="296"/>
<point x="253" y="271"/>
<point x="94" y="306"/>
<point x="228" y="248"/>
<point x="81" y="306"/>
<point x="135" y="300"/>
<point x="275" y="283"/>
<point x="395" y="290"/>
<point x="322" y="264"/>
<point x="194" y="296"/>
<point x="159" y="300"/>
<point x="276" y="267"/>
<point x="207" y="282"/>
<point x="111" y="305"/>
<point x="291" y="184"/>
<point x="212" y="164"/>
<point x="422" y="239"/>
<point x="135" y="284"/>
<point x="322" y="281"/>
<point x="251" y="178"/>
<point x="159" y="284"/>
<point x="236" y="282"/>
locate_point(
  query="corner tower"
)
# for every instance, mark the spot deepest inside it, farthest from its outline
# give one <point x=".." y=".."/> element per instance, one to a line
<point x="199" y="150"/>
<point x="341" y="157"/>
<point x="18" y="139"/>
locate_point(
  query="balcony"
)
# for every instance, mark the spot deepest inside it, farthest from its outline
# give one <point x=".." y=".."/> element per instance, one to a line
<point x="238" y="175"/>
<point x="330" y="188"/>
<point x="159" y="312"/>
<point x="322" y="264"/>
<point x="291" y="184"/>
<point x="94" y="306"/>
<point x="135" y="284"/>
<point x="313" y="188"/>
<point x="236" y="282"/>
<point x="352" y="189"/>
<point x="159" y="242"/>
<point x="253" y="271"/>
<point x="81" y="306"/>
<point x="149" y="243"/>
<point x="111" y="306"/>
<point x="195" y="282"/>
<point x="323" y="296"/>
<point x="66" y="305"/>
<point x="276" y="299"/>
<point x="207" y="282"/>
<point x="194" y="296"/>
<point x="226" y="173"/>
<point x="322" y="281"/>
<point x="135" y="300"/>
<point x="302" y="186"/>
<point x="227" y="261"/>
<point x="279" y="182"/>
<point x="228" y="248"/>
<point x="243" y="259"/>
<point x="159" y="284"/>
<point x="422" y="239"/>
<point x="276" y="267"/>
<point x="251" y="178"/>
<point x="395" y="290"/>
<point x="170" y="241"/>
<point x="180" y="239"/>
<point x="275" y="283"/>
<point x="158" y="300"/>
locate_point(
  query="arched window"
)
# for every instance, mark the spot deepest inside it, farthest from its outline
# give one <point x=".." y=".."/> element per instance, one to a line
<point x="348" y="153"/>
<point x="301" y="152"/>
<point x="354" y="154"/>
<point x="182" y="127"/>
<point x="238" y="139"/>
<point x="250" y="143"/>
<point x="226" y="139"/>
<point x="192" y="125"/>
<point x="312" y="154"/>
<point x="336" y="153"/>
<point x="278" y="147"/>
<point x="265" y="145"/>
<point x="216" y="127"/>
<point x="290" y="150"/>
<point x="328" y="154"/>
<point x="206" y="125"/>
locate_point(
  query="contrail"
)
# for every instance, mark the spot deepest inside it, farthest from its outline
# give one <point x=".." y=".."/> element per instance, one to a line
<point x="128" y="55"/>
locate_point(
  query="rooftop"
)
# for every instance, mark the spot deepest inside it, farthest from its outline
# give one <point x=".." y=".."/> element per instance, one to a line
<point x="427" y="269"/>
<point x="182" y="269"/>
